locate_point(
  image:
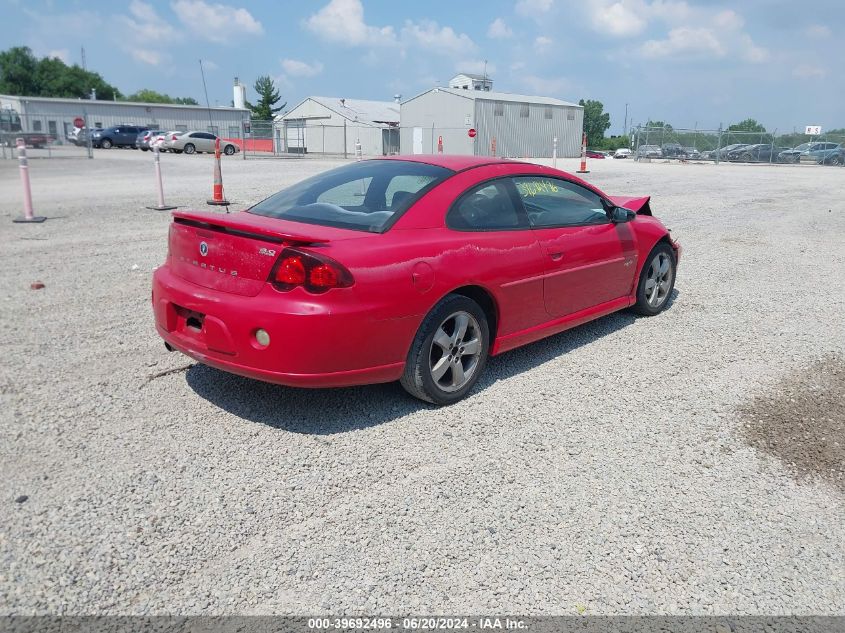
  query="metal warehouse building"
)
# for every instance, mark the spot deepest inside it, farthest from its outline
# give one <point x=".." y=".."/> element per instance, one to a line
<point x="522" y="125"/>
<point x="331" y="125"/>
<point x="55" y="116"/>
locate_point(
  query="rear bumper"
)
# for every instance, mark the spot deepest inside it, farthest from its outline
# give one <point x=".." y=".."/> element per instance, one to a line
<point x="311" y="344"/>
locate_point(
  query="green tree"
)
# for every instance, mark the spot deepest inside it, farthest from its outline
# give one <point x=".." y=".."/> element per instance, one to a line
<point x="268" y="97"/>
<point x="21" y="73"/>
<point x="596" y="121"/>
<point x="17" y="71"/>
<point x="145" y="95"/>
<point x="748" y="125"/>
<point x="659" y="124"/>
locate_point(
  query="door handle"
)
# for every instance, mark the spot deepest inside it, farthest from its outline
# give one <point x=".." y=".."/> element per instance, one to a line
<point x="556" y="257"/>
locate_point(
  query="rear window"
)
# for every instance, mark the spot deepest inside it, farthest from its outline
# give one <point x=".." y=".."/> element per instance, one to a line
<point x="364" y="196"/>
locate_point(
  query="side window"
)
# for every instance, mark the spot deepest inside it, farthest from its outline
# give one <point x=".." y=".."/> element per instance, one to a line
<point x="551" y="202"/>
<point x="403" y="187"/>
<point x="487" y="207"/>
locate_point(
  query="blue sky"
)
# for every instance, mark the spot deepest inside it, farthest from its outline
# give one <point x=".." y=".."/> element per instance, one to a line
<point x="687" y="62"/>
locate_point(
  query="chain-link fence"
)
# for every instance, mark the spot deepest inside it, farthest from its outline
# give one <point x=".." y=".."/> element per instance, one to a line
<point x="45" y="135"/>
<point x="314" y="138"/>
<point x="669" y="143"/>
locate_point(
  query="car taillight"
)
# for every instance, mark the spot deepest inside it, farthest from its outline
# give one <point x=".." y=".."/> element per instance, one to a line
<point x="314" y="272"/>
<point x="172" y="137"/>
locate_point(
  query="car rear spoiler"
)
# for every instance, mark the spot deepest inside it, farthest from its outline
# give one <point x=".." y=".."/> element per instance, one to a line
<point x="638" y="205"/>
<point x="250" y="225"/>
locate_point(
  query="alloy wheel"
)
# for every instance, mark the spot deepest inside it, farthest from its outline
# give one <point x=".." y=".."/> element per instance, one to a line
<point x="455" y="351"/>
<point x="658" y="280"/>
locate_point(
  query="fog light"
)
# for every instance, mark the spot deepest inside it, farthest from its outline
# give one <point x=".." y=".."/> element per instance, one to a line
<point x="262" y="337"/>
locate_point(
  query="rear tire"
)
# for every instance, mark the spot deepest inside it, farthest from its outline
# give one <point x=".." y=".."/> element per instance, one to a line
<point x="657" y="280"/>
<point x="449" y="352"/>
<point x="189" y="148"/>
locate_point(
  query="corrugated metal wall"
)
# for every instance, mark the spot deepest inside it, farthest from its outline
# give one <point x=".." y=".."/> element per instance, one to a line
<point x="108" y="113"/>
<point x="532" y="136"/>
<point x="437" y="114"/>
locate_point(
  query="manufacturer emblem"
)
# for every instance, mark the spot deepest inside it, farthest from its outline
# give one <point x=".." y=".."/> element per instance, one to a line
<point x="203" y="249"/>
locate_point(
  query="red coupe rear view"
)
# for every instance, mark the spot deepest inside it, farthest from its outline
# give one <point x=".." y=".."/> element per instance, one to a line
<point x="409" y="268"/>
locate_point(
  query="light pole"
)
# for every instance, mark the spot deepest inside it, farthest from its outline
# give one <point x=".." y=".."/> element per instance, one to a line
<point x="625" y="128"/>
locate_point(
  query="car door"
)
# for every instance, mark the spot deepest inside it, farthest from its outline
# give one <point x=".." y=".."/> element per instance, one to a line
<point x="589" y="260"/>
<point x="205" y="142"/>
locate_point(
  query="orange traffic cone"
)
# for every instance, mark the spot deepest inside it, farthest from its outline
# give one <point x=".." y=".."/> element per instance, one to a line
<point x="583" y="169"/>
<point x="217" y="195"/>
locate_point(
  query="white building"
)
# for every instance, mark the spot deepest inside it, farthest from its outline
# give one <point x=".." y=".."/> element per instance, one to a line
<point x="332" y="125"/>
<point x="470" y="81"/>
<point x="56" y="116"/>
<point x="505" y="124"/>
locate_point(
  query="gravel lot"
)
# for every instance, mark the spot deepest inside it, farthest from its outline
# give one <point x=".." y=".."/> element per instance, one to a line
<point x="606" y="470"/>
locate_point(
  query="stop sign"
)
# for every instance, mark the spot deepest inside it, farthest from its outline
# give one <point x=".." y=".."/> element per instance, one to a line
<point x="471" y="132"/>
<point x="79" y="122"/>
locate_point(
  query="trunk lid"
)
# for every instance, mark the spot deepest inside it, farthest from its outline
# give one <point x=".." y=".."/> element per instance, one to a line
<point x="236" y="252"/>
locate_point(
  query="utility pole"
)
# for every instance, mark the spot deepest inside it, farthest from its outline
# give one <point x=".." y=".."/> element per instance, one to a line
<point x="84" y="65"/>
<point x="207" y="104"/>
<point x="625" y="128"/>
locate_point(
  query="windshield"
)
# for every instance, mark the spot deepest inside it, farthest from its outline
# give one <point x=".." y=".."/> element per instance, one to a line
<point x="364" y="196"/>
<point x="803" y="146"/>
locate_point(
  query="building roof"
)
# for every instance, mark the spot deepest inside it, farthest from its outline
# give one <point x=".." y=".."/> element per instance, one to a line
<point x="473" y="76"/>
<point x="499" y="96"/>
<point x="358" y="110"/>
<point x="107" y="102"/>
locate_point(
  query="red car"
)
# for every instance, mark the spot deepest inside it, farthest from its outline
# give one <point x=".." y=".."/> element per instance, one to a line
<point x="406" y="268"/>
<point x="591" y="153"/>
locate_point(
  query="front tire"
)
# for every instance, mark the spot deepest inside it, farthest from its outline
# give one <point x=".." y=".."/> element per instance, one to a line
<point x="106" y="143"/>
<point x="657" y="280"/>
<point x="449" y="351"/>
<point x="229" y="150"/>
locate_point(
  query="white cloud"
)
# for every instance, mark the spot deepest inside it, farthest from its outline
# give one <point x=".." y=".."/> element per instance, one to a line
<point x="807" y="71"/>
<point x="499" y="30"/>
<point x="147" y="56"/>
<point x="542" y="43"/>
<point x="219" y="23"/>
<point x="444" y="40"/>
<point x="728" y="19"/>
<point x="60" y="53"/>
<point x="545" y="85"/>
<point x="342" y="21"/>
<point x="298" y="68"/>
<point x="817" y="31"/>
<point x="620" y="19"/>
<point x="475" y="66"/>
<point x="685" y="42"/>
<point x="531" y="8"/>
<point x="751" y="52"/>
<point x="144" y="25"/>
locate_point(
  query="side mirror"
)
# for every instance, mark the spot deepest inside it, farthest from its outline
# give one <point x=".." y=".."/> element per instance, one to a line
<point x="620" y="215"/>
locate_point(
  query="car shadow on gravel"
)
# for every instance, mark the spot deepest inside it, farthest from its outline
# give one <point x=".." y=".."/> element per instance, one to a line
<point x="330" y="411"/>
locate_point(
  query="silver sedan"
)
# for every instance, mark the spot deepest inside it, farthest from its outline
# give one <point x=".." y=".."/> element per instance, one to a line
<point x="196" y="142"/>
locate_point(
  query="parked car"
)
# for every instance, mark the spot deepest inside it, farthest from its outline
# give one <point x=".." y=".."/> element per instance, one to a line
<point x="649" y="151"/>
<point x="117" y="136"/>
<point x="78" y="136"/>
<point x="673" y="150"/>
<point x="819" y="153"/>
<point x="143" y="139"/>
<point x="834" y="157"/>
<point x="592" y="153"/>
<point x="722" y="152"/>
<point x="691" y="153"/>
<point x="197" y="142"/>
<point x="408" y="268"/>
<point x="759" y="152"/>
<point x="794" y="155"/>
<point x="622" y="152"/>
